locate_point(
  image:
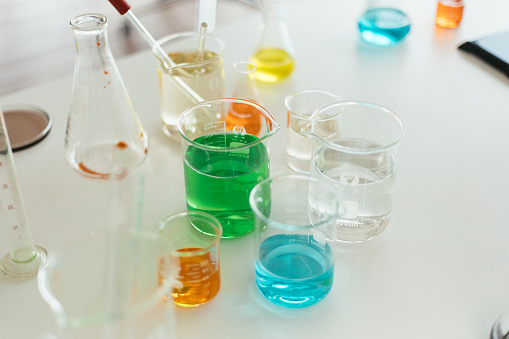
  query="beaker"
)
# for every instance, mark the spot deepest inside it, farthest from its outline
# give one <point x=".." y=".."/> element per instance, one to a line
<point x="193" y="241"/>
<point x="296" y="218"/>
<point x="274" y="54"/>
<point x="384" y="22"/>
<point x="202" y="73"/>
<point x="449" y="13"/>
<point x="110" y="286"/>
<point x="222" y="164"/>
<point x="245" y="88"/>
<point x="104" y="135"/>
<point x="360" y="162"/>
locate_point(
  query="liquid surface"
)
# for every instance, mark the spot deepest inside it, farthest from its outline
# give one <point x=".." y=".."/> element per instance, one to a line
<point x="384" y="26"/>
<point x="272" y="64"/>
<point x="294" y="270"/>
<point x="449" y="13"/>
<point x="365" y="183"/>
<point x="219" y="183"/>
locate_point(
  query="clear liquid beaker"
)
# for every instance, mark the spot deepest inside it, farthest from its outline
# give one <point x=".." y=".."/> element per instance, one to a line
<point x="384" y="22"/>
<point x="204" y="75"/>
<point x="222" y="164"/>
<point x="360" y="162"/>
<point x="108" y="286"/>
<point x="104" y="135"/>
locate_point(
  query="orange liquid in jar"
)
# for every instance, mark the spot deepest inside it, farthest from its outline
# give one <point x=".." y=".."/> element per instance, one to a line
<point x="200" y="277"/>
<point x="449" y="13"/>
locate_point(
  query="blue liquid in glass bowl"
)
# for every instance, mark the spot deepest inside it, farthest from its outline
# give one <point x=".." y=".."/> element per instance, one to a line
<point x="384" y="26"/>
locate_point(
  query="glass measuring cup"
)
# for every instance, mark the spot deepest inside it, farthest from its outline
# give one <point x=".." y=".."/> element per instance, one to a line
<point x="203" y="73"/>
<point x="360" y="162"/>
<point x="296" y="218"/>
<point x="223" y="163"/>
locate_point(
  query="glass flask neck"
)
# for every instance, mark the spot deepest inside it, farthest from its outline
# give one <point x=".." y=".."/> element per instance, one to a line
<point x="272" y="10"/>
<point x="90" y="33"/>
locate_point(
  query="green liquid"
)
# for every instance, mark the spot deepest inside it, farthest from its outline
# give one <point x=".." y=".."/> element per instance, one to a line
<point x="219" y="182"/>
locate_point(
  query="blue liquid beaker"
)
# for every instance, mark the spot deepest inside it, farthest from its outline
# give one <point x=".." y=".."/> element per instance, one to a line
<point x="384" y="24"/>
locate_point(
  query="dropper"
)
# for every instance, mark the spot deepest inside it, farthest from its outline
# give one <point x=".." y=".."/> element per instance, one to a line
<point x="125" y="9"/>
<point x="201" y="43"/>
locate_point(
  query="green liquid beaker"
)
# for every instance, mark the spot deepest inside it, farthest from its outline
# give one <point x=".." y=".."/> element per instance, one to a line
<point x="222" y="164"/>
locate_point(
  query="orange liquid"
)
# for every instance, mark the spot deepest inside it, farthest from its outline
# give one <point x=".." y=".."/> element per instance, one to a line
<point x="200" y="276"/>
<point x="246" y="116"/>
<point x="449" y="14"/>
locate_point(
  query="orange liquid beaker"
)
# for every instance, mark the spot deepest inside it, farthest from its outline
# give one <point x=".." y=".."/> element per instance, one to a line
<point x="449" y="13"/>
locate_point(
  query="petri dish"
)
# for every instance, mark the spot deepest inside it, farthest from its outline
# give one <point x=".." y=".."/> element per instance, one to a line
<point x="26" y="124"/>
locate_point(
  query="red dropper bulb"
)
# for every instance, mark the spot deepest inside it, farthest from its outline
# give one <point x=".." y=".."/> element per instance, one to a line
<point x="121" y="6"/>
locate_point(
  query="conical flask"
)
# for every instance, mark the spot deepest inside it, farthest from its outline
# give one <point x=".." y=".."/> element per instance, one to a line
<point x="240" y="114"/>
<point x="104" y="135"/>
<point x="274" y="55"/>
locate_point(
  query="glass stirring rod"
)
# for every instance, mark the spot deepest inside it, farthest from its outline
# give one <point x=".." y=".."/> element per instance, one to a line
<point x="24" y="258"/>
<point x="125" y="9"/>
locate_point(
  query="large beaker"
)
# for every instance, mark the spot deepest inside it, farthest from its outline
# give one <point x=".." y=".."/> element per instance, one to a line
<point x="360" y="161"/>
<point x="104" y="136"/>
<point x="223" y="163"/>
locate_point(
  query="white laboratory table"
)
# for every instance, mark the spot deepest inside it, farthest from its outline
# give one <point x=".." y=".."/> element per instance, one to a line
<point x="440" y="270"/>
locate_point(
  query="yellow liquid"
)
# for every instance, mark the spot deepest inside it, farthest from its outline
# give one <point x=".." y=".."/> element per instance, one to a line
<point x="272" y="64"/>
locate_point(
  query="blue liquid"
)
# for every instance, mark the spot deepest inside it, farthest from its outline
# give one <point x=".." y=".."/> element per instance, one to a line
<point x="294" y="270"/>
<point x="384" y="26"/>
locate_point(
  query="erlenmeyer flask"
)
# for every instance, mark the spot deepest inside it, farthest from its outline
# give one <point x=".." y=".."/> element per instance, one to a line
<point x="104" y="135"/>
<point x="273" y="54"/>
<point x="241" y="114"/>
<point x="384" y="22"/>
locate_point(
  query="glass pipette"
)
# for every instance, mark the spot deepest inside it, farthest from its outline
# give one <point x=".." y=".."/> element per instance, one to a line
<point x="24" y="258"/>
<point x="125" y="9"/>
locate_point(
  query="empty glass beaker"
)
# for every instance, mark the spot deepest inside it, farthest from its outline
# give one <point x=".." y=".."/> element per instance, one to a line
<point x="384" y="22"/>
<point x="222" y="164"/>
<point x="360" y="162"/>
<point x="104" y="135"/>
<point x="110" y="286"/>
<point x="273" y="55"/>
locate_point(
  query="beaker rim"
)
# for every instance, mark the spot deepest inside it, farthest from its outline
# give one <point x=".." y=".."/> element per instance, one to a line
<point x="296" y="177"/>
<point x="289" y="98"/>
<point x="274" y="124"/>
<point x="169" y="37"/>
<point x="89" y="22"/>
<point x="308" y="128"/>
<point x="197" y="215"/>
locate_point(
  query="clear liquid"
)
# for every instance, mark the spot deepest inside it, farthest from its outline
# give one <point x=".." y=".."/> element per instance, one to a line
<point x="207" y="81"/>
<point x="219" y="183"/>
<point x="384" y="26"/>
<point x="298" y="150"/>
<point x="365" y="183"/>
<point x="293" y="270"/>
<point x="272" y="64"/>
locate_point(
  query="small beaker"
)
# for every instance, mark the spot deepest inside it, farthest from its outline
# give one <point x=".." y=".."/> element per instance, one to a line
<point x="273" y="54"/>
<point x="300" y="107"/>
<point x="193" y="239"/>
<point x="449" y="13"/>
<point x="204" y="74"/>
<point x="222" y="164"/>
<point x="384" y="22"/>
<point x="245" y="88"/>
<point x="110" y="286"/>
<point x="296" y="220"/>
<point x="104" y="136"/>
<point x="360" y="162"/>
